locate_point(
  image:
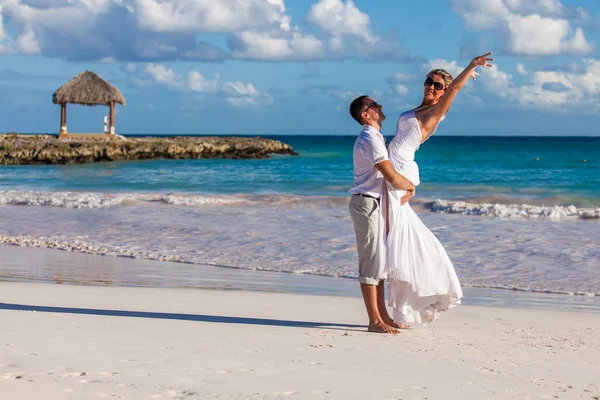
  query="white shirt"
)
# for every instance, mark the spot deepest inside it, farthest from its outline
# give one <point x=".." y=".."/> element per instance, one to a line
<point x="369" y="150"/>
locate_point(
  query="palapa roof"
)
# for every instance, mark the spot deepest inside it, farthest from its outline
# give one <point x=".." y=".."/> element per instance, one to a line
<point x="89" y="89"/>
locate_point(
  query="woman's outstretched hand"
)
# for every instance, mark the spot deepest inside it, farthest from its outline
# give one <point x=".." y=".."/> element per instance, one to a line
<point x="481" y="61"/>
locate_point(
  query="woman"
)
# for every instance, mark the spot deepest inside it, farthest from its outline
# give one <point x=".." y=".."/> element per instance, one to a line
<point x="421" y="277"/>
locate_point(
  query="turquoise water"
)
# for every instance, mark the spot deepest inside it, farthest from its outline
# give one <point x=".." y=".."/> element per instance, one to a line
<point x="496" y="169"/>
<point x="506" y="220"/>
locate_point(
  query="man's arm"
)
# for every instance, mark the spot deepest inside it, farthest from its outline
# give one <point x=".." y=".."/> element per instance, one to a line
<point x="409" y="195"/>
<point x="394" y="178"/>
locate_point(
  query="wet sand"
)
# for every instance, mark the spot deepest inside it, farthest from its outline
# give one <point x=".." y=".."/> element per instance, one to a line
<point x="30" y="264"/>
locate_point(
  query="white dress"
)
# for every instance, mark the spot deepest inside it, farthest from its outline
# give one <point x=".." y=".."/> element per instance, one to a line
<point x="421" y="277"/>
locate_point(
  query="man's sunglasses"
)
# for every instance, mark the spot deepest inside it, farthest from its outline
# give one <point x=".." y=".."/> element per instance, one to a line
<point x="372" y="105"/>
<point x="436" y="85"/>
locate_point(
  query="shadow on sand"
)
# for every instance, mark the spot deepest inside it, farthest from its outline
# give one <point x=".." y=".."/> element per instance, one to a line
<point x="181" y="317"/>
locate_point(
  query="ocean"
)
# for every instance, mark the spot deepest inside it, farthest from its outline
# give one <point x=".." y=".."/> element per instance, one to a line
<point x="518" y="213"/>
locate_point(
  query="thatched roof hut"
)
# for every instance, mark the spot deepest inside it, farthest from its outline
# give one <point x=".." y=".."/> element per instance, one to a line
<point x="88" y="89"/>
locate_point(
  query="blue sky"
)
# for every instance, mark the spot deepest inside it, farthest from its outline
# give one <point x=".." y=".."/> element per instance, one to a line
<point x="292" y="66"/>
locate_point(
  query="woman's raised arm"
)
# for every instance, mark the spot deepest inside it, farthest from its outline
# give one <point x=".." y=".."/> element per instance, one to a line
<point x="435" y="113"/>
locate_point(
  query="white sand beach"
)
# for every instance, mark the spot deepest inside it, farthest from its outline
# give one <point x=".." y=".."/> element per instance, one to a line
<point x="92" y="342"/>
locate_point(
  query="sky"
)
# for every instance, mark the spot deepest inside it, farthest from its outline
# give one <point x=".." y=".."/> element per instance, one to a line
<point x="292" y="67"/>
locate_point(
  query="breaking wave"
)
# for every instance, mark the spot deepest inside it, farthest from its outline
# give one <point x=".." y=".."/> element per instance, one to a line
<point x="62" y="199"/>
<point x="94" y="200"/>
<point x="513" y="210"/>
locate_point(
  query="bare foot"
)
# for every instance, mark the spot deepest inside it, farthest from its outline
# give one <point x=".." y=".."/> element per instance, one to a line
<point x="389" y="321"/>
<point x="380" y="327"/>
<point x="398" y="325"/>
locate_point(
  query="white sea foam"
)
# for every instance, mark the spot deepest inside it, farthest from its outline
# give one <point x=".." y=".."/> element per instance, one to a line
<point x="513" y="210"/>
<point x="82" y="247"/>
<point x="97" y="200"/>
<point x="62" y="199"/>
<point x="200" y="200"/>
<point x="94" y="200"/>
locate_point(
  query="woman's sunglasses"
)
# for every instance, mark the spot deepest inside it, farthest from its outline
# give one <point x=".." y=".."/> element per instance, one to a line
<point x="436" y="85"/>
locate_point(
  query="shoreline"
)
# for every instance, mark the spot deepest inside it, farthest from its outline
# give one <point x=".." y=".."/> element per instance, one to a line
<point x="68" y="341"/>
<point x="51" y="266"/>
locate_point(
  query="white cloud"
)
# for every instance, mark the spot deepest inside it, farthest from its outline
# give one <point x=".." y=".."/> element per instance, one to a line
<point x="400" y="77"/>
<point x="241" y="94"/>
<point x="2" y="32"/>
<point x="566" y="88"/>
<point x="33" y="16"/>
<point x="401" y="90"/>
<point x="239" y="89"/>
<point x="27" y="43"/>
<point x="274" y="46"/>
<point x="535" y="35"/>
<point x="349" y="34"/>
<point x="236" y="93"/>
<point x="582" y="14"/>
<point x="160" y="30"/>
<point x="209" y="16"/>
<point x="132" y="30"/>
<point x="451" y="66"/>
<point x="340" y="19"/>
<point x="84" y="30"/>
<point x="521" y="69"/>
<point x="547" y="88"/>
<point x="526" y="27"/>
<point x="397" y="82"/>
<point x="199" y="84"/>
<point x="544" y="7"/>
<point x="161" y="75"/>
<point x="497" y="82"/>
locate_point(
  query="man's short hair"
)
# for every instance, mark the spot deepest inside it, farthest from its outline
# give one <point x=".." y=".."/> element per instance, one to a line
<point x="356" y="108"/>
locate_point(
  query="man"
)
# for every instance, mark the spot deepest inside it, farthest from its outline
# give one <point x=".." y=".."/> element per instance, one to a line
<point x="371" y="167"/>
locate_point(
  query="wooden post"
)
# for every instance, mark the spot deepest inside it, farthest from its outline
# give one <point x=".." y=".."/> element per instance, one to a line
<point x="111" y="130"/>
<point x="63" y="119"/>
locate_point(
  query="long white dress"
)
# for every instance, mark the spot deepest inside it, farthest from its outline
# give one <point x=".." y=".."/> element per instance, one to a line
<point x="421" y="277"/>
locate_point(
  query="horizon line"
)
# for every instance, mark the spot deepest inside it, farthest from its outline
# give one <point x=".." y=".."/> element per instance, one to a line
<point x="310" y="135"/>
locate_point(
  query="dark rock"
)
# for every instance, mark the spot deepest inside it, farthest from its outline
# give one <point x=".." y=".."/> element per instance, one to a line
<point x="47" y="149"/>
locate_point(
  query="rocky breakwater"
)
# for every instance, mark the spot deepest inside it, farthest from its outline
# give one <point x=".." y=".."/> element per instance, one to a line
<point x="47" y="149"/>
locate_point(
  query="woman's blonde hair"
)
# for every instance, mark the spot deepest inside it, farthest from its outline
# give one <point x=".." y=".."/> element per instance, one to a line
<point x="443" y="73"/>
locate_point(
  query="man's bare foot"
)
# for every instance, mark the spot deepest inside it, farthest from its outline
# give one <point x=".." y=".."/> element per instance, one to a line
<point x="380" y="327"/>
<point x="397" y="325"/>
